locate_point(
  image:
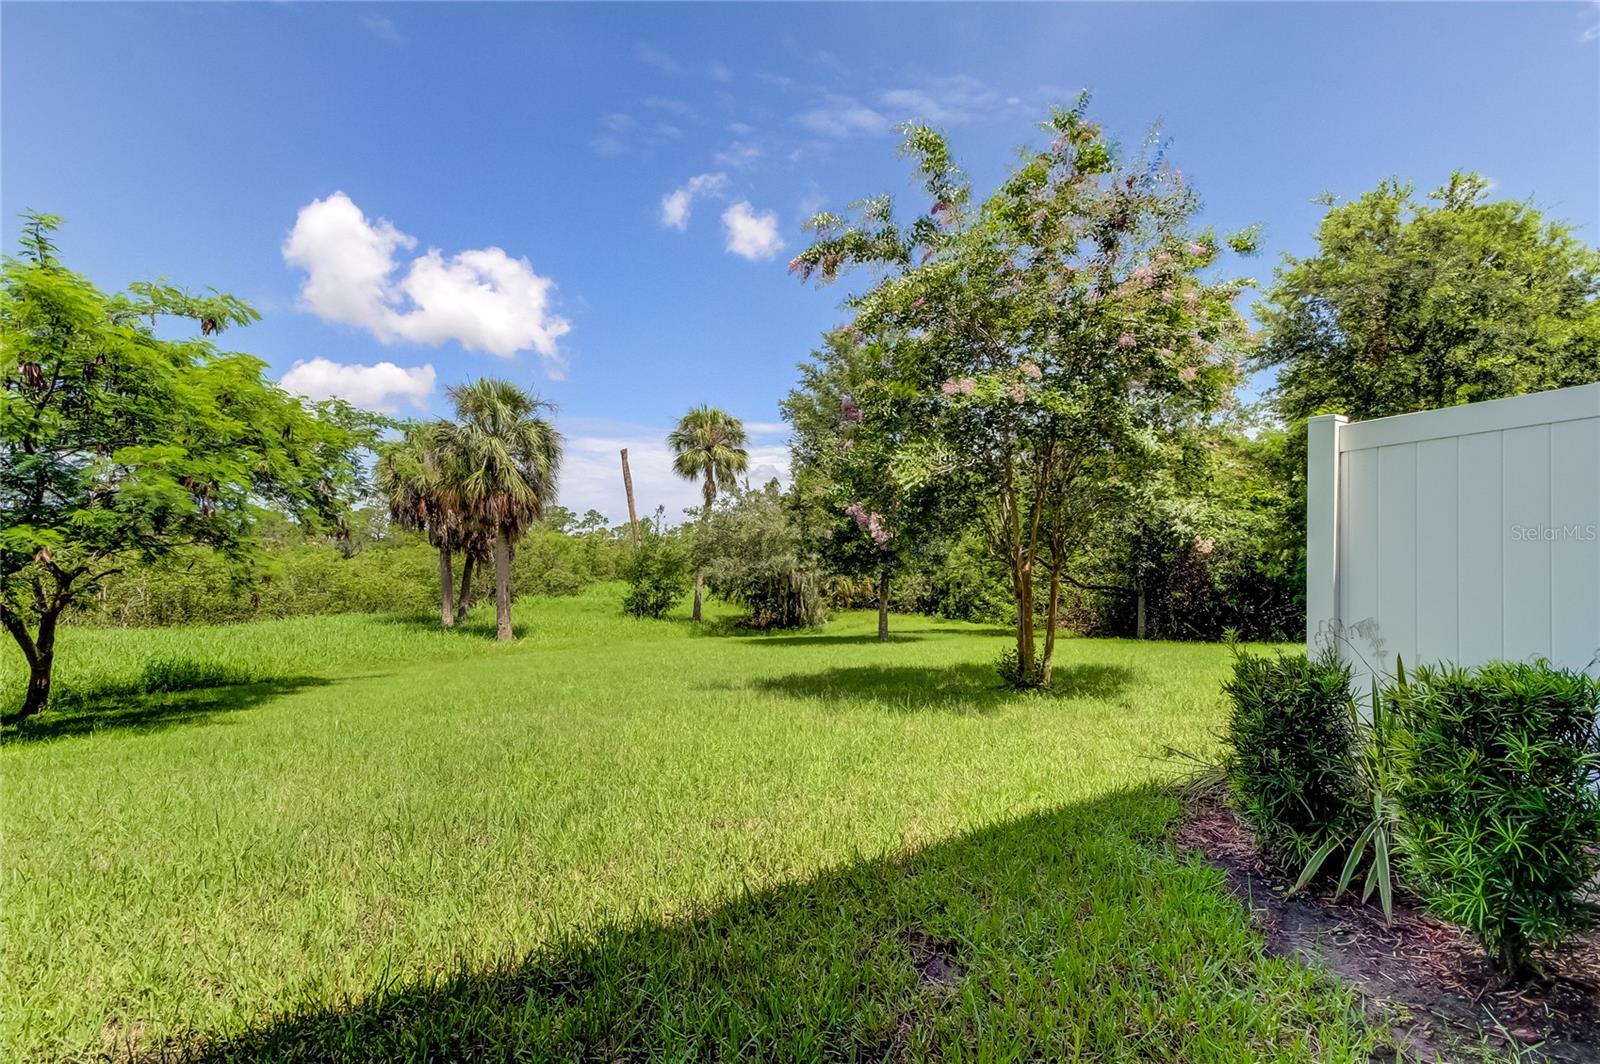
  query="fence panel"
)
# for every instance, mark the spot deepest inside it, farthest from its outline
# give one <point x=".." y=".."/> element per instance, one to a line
<point x="1462" y="535"/>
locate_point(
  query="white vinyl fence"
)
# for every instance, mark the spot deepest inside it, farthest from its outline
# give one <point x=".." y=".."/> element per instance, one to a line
<point x="1458" y="535"/>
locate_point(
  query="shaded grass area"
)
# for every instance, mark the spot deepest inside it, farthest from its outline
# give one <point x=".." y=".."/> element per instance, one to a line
<point x="1069" y="933"/>
<point x="627" y="837"/>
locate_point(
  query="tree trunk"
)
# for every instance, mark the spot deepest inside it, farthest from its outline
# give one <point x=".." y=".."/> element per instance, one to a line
<point x="447" y="613"/>
<point x="1138" y="624"/>
<point x="464" y="595"/>
<point x="502" y="586"/>
<point x="1025" y="645"/>
<point x="627" y="487"/>
<point x="883" y="605"/>
<point x="1052" y="618"/>
<point x="699" y="582"/>
<point x="40" y="655"/>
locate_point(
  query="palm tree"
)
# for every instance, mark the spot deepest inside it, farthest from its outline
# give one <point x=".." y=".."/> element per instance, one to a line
<point x="409" y="479"/>
<point x="499" y="462"/>
<point x="708" y="445"/>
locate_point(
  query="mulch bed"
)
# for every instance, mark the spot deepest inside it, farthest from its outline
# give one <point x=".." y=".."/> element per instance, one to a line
<point x="1425" y="978"/>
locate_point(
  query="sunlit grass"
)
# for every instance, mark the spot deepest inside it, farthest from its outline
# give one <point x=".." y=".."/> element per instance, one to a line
<point x="626" y="839"/>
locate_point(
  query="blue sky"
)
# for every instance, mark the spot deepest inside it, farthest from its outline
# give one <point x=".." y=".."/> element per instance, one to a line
<point x="489" y="189"/>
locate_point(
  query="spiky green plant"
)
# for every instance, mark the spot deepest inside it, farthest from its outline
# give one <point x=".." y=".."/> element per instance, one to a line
<point x="708" y="445"/>
<point x="498" y="462"/>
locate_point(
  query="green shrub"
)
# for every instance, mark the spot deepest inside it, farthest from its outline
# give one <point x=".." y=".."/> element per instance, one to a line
<point x="1291" y="757"/>
<point x="1498" y="800"/>
<point x="657" y="573"/>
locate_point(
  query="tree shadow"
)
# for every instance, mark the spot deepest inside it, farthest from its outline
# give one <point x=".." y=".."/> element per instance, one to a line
<point x="788" y="639"/>
<point x="475" y="625"/>
<point x="151" y="711"/>
<point x="964" y="688"/>
<point x="1015" y="941"/>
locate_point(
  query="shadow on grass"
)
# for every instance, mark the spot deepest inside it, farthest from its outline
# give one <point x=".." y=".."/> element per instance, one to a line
<point x="793" y="639"/>
<point x="965" y="688"/>
<point x="1062" y="934"/>
<point x="479" y="624"/>
<point x="151" y="711"/>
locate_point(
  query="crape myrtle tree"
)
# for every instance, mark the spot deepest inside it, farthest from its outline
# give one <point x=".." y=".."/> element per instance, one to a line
<point x="498" y="463"/>
<point x="707" y="445"/>
<point x="850" y="423"/>
<point x="121" y="446"/>
<point x="1067" y="319"/>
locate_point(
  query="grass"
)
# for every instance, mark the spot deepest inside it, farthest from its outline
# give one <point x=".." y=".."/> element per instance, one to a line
<point x="619" y="839"/>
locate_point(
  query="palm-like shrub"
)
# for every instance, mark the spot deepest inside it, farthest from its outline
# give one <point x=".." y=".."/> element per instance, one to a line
<point x="1291" y="757"/>
<point x="498" y="462"/>
<point x="409" y="480"/>
<point x="708" y="446"/>
<point x="1499" y="800"/>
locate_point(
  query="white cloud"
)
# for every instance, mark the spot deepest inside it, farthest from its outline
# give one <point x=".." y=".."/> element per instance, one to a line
<point x="482" y="298"/>
<point x="591" y="469"/>
<point x="657" y="59"/>
<point x="677" y="204"/>
<point x="752" y="235"/>
<point x="384" y="29"/>
<point x="843" y="116"/>
<point x="719" y="72"/>
<point x="383" y="387"/>
<point x="739" y="154"/>
<point x="946" y="101"/>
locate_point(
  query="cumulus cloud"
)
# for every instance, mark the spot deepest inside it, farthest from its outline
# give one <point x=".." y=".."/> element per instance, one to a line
<point x="843" y="116"/>
<point x="383" y="387"/>
<point x="482" y="298"/>
<point x="752" y="235"/>
<point x="677" y="204"/>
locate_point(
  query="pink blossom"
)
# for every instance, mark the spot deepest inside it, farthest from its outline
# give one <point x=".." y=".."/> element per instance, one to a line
<point x="1191" y="300"/>
<point x="920" y="303"/>
<point x="1165" y="352"/>
<point x="1199" y="251"/>
<point x="1204" y="545"/>
<point x="1126" y="340"/>
<point x="1142" y="274"/>
<point x="1188" y="374"/>
<point x="958" y="386"/>
<point x="1017" y="392"/>
<point x="847" y="443"/>
<point x="1038" y="217"/>
<point x="1030" y="369"/>
<point x="850" y="411"/>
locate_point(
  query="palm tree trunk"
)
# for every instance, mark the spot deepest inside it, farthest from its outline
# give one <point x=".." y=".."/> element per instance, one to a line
<point x="883" y="605"/>
<point x="502" y="586"/>
<point x="447" y="614"/>
<point x="464" y="594"/>
<point x="1139" y="628"/>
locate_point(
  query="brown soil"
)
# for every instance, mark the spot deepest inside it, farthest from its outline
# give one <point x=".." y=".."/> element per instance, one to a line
<point x="1424" y="978"/>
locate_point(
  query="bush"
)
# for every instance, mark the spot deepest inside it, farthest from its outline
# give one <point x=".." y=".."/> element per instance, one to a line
<point x="657" y="573"/>
<point x="1291" y="758"/>
<point x="1498" y="800"/>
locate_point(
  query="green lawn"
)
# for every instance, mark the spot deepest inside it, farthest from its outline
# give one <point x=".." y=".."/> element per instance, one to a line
<point x="621" y="840"/>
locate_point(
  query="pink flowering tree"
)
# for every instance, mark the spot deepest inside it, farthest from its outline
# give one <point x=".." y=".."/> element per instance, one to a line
<point x="850" y="431"/>
<point x="1072" y="316"/>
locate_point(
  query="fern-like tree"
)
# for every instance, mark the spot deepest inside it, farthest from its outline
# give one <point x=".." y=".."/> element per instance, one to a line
<point x="122" y="443"/>
<point x="709" y="446"/>
<point x="498" y="462"/>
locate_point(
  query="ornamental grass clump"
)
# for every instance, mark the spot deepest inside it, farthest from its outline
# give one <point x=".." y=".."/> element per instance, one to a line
<point x="1499" y="801"/>
<point x="1291" y="752"/>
